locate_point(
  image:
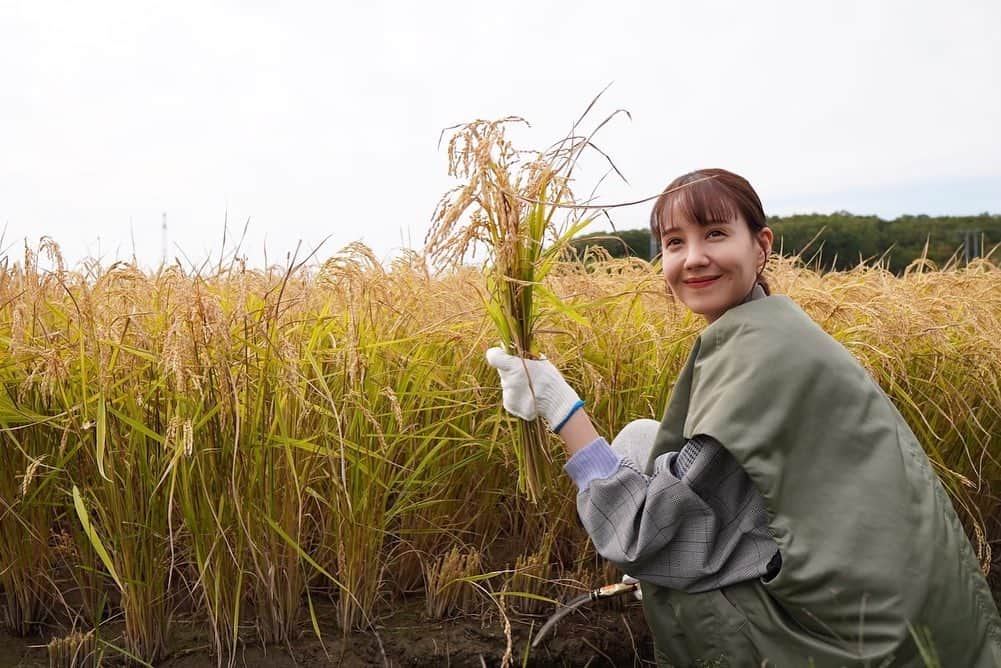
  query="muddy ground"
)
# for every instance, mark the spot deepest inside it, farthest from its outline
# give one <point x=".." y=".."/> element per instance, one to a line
<point x="605" y="634"/>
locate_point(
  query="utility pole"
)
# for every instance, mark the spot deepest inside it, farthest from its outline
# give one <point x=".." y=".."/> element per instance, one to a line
<point x="971" y="245"/>
<point x="163" y="240"/>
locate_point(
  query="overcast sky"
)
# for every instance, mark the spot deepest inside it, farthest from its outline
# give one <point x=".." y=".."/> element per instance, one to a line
<point x="316" y="119"/>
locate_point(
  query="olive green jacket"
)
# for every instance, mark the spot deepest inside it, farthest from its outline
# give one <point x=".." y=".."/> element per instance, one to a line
<point x="871" y="545"/>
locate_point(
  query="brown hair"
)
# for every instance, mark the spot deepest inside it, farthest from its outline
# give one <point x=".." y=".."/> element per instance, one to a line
<point x="708" y="195"/>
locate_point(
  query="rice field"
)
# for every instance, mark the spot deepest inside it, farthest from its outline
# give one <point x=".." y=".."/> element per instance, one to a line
<point x="232" y="447"/>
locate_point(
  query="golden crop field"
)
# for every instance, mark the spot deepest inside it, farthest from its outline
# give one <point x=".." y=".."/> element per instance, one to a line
<point x="231" y="447"/>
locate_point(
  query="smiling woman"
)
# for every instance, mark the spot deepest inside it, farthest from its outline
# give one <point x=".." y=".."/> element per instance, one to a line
<point x="716" y="244"/>
<point x="740" y="518"/>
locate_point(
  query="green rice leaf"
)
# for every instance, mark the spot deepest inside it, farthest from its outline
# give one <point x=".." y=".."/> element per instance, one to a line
<point x="559" y="306"/>
<point x="101" y="434"/>
<point x="95" y="540"/>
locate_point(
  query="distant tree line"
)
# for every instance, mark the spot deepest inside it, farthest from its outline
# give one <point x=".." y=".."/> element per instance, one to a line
<point x="841" y="240"/>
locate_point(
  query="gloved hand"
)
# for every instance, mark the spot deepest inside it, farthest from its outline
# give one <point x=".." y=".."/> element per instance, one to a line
<point x="629" y="579"/>
<point x="534" y="387"/>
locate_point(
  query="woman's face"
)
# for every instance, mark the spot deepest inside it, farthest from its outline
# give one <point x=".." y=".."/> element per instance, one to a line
<point x="713" y="267"/>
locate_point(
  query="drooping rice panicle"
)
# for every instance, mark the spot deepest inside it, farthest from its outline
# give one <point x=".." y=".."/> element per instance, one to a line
<point x="282" y="439"/>
<point x="512" y="200"/>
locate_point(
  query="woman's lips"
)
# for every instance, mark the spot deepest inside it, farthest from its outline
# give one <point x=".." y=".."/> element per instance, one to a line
<point x="701" y="282"/>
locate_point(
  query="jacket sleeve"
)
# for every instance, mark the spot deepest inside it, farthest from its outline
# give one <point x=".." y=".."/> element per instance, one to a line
<point x="703" y="530"/>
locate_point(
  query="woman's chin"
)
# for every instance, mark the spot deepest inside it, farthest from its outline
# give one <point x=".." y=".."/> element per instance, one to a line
<point x="707" y="309"/>
<point x="709" y="316"/>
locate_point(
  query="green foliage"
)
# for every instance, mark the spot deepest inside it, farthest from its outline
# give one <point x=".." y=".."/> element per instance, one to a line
<point x="841" y="240"/>
<point x="627" y="243"/>
<point x="844" y="240"/>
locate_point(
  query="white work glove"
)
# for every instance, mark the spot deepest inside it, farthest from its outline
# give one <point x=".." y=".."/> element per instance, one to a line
<point x="630" y="580"/>
<point x="534" y="387"/>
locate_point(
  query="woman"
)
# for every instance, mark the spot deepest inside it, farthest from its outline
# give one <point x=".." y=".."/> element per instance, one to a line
<point x="785" y="513"/>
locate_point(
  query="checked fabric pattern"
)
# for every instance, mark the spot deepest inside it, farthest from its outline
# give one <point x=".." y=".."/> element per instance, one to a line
<point x="686" y="458"/>
<point x="703" y="530"/>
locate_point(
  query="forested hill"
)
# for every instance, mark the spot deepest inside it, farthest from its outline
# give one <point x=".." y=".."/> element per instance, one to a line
<point x="840" y="239"/>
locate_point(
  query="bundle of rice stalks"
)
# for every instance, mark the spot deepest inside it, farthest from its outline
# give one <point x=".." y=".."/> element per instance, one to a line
<point x="76" y="650"/>
<point x="512" y="198"/>
<point x="448" y="590"/>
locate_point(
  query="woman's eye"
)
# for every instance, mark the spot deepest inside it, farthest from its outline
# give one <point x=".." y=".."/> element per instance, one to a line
<point x="718" y="232"/>
<point x="671" y="242"/>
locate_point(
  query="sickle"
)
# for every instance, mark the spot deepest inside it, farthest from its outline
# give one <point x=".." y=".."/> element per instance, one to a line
<point x="602" y="592"/>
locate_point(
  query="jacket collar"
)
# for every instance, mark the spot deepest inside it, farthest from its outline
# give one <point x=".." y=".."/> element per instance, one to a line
<point x="757" y="292"/>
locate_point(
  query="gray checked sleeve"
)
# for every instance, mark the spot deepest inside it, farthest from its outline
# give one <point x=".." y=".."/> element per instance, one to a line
<point x="704" y="530"/>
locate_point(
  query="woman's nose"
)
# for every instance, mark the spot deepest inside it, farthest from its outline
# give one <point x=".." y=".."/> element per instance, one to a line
<point x="695" y="256"/>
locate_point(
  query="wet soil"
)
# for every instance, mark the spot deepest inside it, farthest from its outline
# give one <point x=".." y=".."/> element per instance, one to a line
<point x="605" y="634"/>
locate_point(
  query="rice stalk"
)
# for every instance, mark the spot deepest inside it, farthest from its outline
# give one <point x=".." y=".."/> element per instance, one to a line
<point x="76" y="650"/>
<point x="276" y="436"/>
<point x="512" y="201"/>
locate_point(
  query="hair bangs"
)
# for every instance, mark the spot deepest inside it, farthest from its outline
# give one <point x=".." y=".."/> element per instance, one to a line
<point x="699" y="198"/>
<point x="708" y="196"/>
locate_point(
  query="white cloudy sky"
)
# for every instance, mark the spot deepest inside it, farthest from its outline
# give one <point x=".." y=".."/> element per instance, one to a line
<point x="316" y="119"/>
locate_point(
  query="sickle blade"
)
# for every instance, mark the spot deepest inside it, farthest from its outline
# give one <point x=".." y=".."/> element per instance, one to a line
<point x="604" y="592"/>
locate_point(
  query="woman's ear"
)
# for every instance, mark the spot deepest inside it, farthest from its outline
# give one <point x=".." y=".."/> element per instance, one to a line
<point x="765" y="239"/>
